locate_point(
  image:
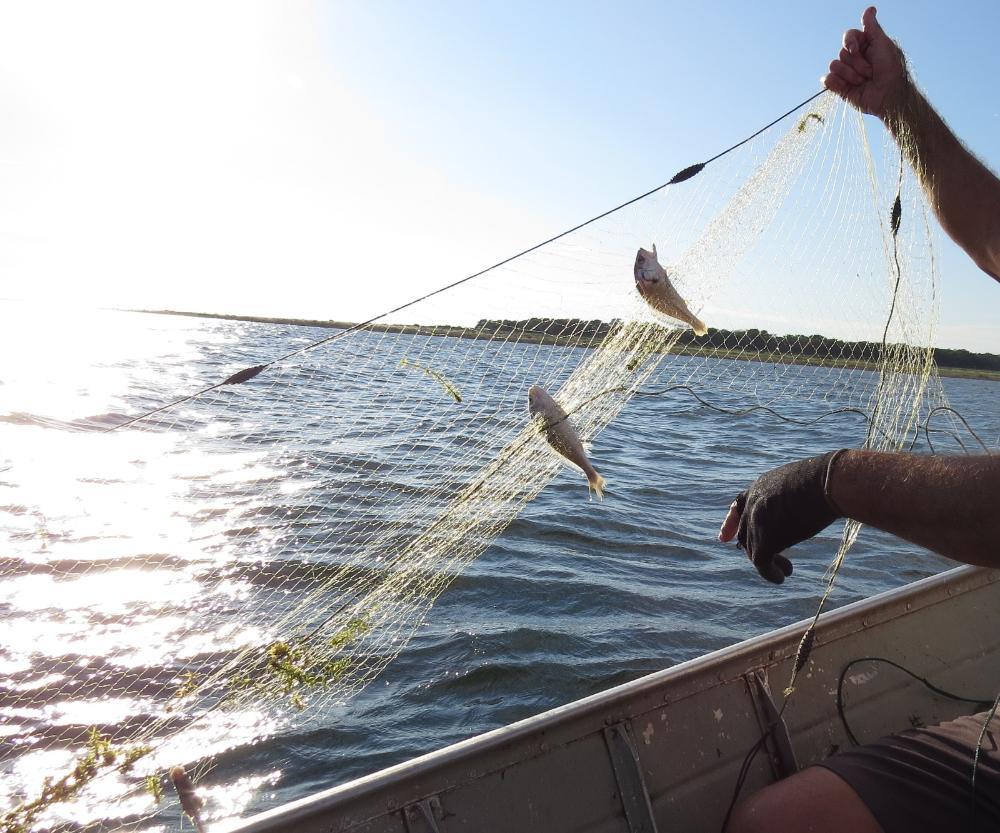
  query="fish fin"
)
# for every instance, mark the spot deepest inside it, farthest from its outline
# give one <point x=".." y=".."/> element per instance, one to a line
<point x="699" y="327"/>
<point x="596" y="484"/>
<point x="654" y="252"/>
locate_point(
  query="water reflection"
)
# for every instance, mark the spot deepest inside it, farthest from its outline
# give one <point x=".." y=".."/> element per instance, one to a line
<point x="104" y="602"/>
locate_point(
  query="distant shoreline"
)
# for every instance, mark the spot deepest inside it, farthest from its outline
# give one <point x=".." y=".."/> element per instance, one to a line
<point x="691" y="348"/>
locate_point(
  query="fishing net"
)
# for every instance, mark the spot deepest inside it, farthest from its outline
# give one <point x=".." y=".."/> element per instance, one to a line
<point x="323" y="499"/>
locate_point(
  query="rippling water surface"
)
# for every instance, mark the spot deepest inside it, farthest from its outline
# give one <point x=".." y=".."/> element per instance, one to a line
<point x="115" y="546"/>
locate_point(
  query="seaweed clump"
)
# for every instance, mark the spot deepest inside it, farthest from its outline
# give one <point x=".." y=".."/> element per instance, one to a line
<point x="449" y="388"/>
<point x="804" y="121"/>
<point x="290" y="669"/>
<point x="100" y="755"/>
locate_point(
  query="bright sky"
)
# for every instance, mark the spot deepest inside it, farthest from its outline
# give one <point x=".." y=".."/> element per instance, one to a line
<point x="333" y="160"/>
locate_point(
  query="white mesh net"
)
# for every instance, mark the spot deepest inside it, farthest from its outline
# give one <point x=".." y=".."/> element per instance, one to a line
<point x="319" y="508"/>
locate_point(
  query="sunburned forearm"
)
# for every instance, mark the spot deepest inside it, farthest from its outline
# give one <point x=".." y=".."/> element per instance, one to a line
<point x="963" y="192"/>
<point x="946" y="504"/>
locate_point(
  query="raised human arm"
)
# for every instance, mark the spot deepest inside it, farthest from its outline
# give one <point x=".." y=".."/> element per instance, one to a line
<point x="946" y="504"/>
<point x="871" y="74"/>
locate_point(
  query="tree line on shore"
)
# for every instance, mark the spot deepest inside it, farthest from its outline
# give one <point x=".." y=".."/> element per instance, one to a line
<point x="752" y="341"/>
<point x="590" y="332"/>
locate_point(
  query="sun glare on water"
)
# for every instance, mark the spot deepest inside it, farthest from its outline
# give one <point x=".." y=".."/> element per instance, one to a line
<point x="119" y="555"/>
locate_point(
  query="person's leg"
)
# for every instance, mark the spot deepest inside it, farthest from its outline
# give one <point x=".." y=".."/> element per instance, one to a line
<point x="812" y="801"/>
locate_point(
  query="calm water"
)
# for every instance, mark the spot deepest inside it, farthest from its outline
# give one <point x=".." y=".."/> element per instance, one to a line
<point x="113" y="551"/>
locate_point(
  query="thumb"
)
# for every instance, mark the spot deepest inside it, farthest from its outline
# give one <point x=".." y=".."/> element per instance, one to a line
<point x="730" y="525"/>
<point x="870" y="25"/>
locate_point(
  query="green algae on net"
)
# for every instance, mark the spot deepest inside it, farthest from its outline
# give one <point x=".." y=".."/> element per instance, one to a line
<point x="291" y="668"/>
<point x="101" y="756"/>
<point x="450" y="389"/>
<point x="804" y="121"/>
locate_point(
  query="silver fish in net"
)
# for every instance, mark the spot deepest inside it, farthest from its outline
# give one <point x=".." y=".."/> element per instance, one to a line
<point x="654" y="285"/>
<point x="561" y="435"/>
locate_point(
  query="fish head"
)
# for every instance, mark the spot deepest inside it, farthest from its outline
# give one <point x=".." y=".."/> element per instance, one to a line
<point x="536" y="400"/>
<point x="647" y="270"/>
<point x="541" y="403"/>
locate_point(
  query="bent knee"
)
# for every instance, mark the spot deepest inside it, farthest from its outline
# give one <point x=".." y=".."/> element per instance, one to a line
<point x="760" y="812"/>
<point x="814" y="800"/>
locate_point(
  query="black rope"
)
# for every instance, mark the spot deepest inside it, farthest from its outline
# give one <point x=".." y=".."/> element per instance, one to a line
<point x="841" y="713"/>
<point x="249" y="373"/>
<point x="739" y="412"/>
<point x="965" y="422"/>
<point x="895" y="218"/>
<point x="765" y="127"/>
<point x="992" y="702"/>
<point x="802" y="653"/>
<point x="748" y="759"/>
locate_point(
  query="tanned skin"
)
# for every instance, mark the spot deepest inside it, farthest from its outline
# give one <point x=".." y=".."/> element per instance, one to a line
<point x="946" y="504"/>
<point x="870" y="73"/>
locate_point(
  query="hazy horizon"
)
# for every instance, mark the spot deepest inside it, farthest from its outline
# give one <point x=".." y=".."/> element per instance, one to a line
<point x="333" y="321"/>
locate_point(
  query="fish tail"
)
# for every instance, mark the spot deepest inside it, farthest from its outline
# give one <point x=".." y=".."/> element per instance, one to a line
<point x="699" y="326"/>
<point x="596" y="483"/>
